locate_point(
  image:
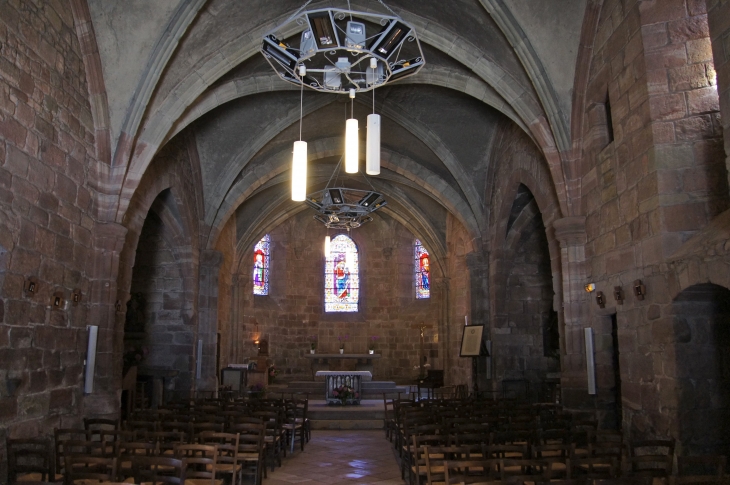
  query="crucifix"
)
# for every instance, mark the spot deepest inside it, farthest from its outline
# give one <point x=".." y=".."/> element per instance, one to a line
<point x="422" y="360"/>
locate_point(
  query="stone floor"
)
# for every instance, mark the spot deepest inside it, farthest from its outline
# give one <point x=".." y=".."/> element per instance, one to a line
<point x="352" y="457"/>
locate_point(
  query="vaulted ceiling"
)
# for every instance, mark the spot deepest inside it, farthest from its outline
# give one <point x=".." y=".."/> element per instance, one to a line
<point x="193" y="68"/>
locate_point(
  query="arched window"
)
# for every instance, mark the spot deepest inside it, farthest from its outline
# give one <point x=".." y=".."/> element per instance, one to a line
<point x="422" y="271"/>
<point x="341" y="276"/>
<point x="261" y="266"/>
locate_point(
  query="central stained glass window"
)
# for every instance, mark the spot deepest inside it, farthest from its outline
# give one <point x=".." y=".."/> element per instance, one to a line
<point x="341" y="276"/>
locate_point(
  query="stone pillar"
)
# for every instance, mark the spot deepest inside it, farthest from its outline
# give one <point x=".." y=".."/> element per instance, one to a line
<point x="237" y="334"/>
<point x="109" y="239"/>
<point x="441" y="287"/>
<point x="571" y="233"/>
<point x="718" y="13"/>
<point x="210" y="263"/>
<point x="478" y="264"/>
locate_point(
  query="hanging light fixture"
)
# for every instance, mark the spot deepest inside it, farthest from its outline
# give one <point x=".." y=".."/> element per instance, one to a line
<point x="299" y="157"/>
<point x="327" y="246"/>
<point x="372" y="146"/>
<point x="352" y="150"/>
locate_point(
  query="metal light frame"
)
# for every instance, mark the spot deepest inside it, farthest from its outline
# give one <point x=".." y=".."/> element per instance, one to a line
<point x="340" y="207"/>
<point x="335" y="46"/>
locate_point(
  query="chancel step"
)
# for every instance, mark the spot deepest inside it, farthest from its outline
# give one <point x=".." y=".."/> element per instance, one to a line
<point x="370" y="389"/>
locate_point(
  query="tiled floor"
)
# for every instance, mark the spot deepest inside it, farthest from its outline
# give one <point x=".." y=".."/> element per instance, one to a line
<point x="331" y="457"/>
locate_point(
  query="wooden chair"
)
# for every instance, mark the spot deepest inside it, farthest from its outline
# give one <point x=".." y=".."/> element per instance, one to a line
<point x="651" y="458"/>
<point x="525" y="470"/>
<point x="559" y="456"/>
<point x="127" y="450"/>
<point x="227" y="458"/>
<point x="152" y="470"/>
<point x="389" y="417"/>
<point x="61" y="435"/>
<point x="166" y="441"/>
<point x="296" y="422"/>
<point x="700" y="469"/>
<point x="273" y="437"/>
<point x="594" y="467"/>
<point x="433" y="458"/>
<point x="30" y="458"/>
<point x="416" y="462"/>
<point x="200" y="463"/>
<point x="251" y="449"/>
<point x="85" y="467"/>
<point x="479" y="471"/>
<point x="96" y="424"/>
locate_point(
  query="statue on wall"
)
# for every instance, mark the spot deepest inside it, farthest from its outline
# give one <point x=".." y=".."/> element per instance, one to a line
<point x="135" y="318"/>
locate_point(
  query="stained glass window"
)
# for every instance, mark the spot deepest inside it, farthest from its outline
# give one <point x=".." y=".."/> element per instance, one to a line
<point x="422" y="270"/>
<point x="341" y="276"/>
<point x="261" y="266"/>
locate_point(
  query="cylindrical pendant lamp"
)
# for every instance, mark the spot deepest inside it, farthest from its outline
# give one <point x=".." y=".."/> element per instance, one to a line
<point x="351" y="146"/>
<point x="299" y="172"/>
<point x="327" y="247"/>
<point x="372" y="153"/>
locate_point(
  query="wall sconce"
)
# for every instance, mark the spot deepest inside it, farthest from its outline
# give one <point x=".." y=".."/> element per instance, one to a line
<point x="590" y="287"/>
<point x="618" y="295"/>
<point x="118" y="306"/>
<point x="76" y="297"/>
<point x="31" y="286"/>
<point x="639" y="289"/>
<point x="601" y="299"/>
<point x="57" y="300"/>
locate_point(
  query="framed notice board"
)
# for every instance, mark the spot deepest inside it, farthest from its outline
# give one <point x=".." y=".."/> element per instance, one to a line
<point x="471" y="341"/>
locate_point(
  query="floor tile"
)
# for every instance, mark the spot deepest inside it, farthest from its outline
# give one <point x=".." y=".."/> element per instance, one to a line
<point x="352" y="457"/>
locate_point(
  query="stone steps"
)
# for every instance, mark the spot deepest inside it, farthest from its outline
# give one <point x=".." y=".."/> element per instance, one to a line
<point x="370" y="389"/>
<point x="369" y="414"/>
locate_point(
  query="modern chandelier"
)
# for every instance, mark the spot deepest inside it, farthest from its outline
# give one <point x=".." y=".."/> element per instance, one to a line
<point x="339" y="207"/>
<point x="342" y="51"/>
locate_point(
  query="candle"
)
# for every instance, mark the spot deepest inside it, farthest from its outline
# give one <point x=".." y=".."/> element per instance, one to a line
<point x="466" y="322"/>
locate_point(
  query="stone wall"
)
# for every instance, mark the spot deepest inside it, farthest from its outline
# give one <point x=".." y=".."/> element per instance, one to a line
<point x="650" y="189"/>
<point x="46" y="143"/>
<point x="458" y="302"/>
<point x="293" y="312"/>
<point x="163" y="228"/>
<point x="158" y="279"/>
<point x="524" y="277"/>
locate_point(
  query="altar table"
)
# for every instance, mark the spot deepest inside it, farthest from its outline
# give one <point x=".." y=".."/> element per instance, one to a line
<point x="335" y="379"/>
<point x="322" y="362"/>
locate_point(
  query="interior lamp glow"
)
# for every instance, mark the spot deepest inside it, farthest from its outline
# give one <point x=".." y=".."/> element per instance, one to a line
<point x="299" y="172"/>
<point x="352" y="150"/>
<point x="327" y="247"/>
<point x="372" y="151"/>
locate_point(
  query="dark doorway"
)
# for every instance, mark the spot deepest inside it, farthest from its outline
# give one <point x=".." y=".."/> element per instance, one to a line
<point x="700" y="370"/>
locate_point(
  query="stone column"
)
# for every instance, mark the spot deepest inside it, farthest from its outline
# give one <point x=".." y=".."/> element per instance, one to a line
<point x="718" y="12"/>
<point x="478" y="264"/>
<point x="236" y="347"/>
<point x="571" y="233"/>
<point x="109" y="239"/>
<point x="210" y="263"/>
<point x="441" y="287"/>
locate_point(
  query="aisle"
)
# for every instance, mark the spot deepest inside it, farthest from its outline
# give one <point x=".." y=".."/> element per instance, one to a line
<point x="353" y="457"/>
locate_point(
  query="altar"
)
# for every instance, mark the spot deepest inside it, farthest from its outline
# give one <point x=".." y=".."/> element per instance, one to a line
<point x="324" y="362"/>
<point x="335" y="381"/>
